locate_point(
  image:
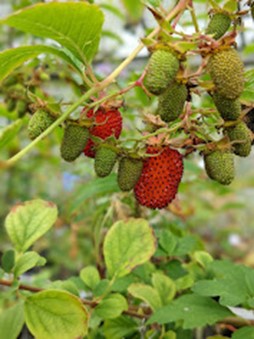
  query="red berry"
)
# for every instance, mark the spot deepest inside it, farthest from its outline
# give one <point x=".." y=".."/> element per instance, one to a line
<point x="106" y="124"/>
<point x="160" y="177"/>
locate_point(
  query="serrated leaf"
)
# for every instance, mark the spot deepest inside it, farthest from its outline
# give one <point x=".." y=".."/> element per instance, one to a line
<point x="164" y="286"/>
<point x="76" y="26"/>
<point x="9" y="132"/>
<point x="146" y="293"/>
<point x="101" y="287"/>
<point x="193" y="310"/>
<point x="28" y="221"/>
<point x="111" y="306"/>
<point x="12" y="321"/>
<point x="202" y="258"/>
<point x="15" y="57"/>
<point x="66" y="285"/>
<point x="27" y="261"/>
<point x="90" y="276"/>
<point x="244" y="333"/>
<point x="232" y="283"/>
<point x="119" y="328"/>
<point x="8" y="260"/>
<point x="168" y="241"/>
<point x="128" y="244"/>
<point x="55" y="314"/>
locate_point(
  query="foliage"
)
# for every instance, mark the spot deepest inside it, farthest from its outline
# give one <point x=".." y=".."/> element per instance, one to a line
<point x="80" y="258"/>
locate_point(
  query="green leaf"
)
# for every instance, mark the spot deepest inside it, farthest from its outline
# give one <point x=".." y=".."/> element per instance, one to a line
<point x="12" y="321"/>
<point x="233" y="283"/>
<point x="90" y="276"/>
<point x="202" y="258"/>
<point x="111" y="306"/>
<point x="134" y="9"/>
<point x="15" y="57"/>
<point x="66" y="285"/>
<point x="168" y="241"/>
<point x="28" y="221"/>
<point x="146" y="293"/>
<point x="169" y="335"/>
<point x="27" y="261"/>
<point x="102" y="287"/>
<point x="9" y="132"/>
<point x="164" y="286"/>
<point x="244" y="333"/>
<point x="8" y="260"/>
<point x="193" y="310"/>
<point x="119" y="328"/>
<point x="93" y="189"/>
<point x="76" y="26"/>
<point x="128" y="244"/>
<point x="55" y="314"/>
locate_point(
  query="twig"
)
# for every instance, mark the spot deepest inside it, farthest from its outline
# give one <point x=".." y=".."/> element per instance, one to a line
<point x="133" y="312"/>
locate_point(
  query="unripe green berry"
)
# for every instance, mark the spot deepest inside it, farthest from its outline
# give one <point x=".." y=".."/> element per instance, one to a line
<point x="105" y="159"/>
<point x="242" y="137"/>
<point x="219" y="166"/>
<point x="74" y="141"/>
<point x="218" y="25"/>
<point x="226" y="69"/>
<point x="38" y="123"/>
<point x="129" y="171"/>
<point x="229" y="109"/>
<point x="171" y="102"/>
<point x="162" y="68"/>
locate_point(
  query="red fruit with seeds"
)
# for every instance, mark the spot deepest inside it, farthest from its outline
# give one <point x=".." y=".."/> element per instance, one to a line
<point x="160" y="177"/>
<point x="106" y="124"/>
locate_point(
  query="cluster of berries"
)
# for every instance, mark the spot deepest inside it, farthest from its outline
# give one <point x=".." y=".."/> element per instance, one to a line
<point x="15" y="95"/>
<point x="156" y="176"/>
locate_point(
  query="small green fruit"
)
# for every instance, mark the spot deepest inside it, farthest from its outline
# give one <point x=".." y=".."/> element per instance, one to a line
<point x="162" y="68"/>
<point x="105" y="160"/>
<point x="226" y="69"/>
<point x="171" y="102"/>
<point x="11" y="105"/>
<point x="229" y="109"/>
<point x="38" y="123"/>
<point x="129" y="171"/>
<point x="74" y="141"/>
<point x="241" y="135"/>
<point x="219" y="166"/>
<point x="21" y="108"/>
<point x="218" y="25"/>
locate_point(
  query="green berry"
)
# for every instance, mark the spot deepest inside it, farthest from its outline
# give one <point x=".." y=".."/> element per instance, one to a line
<point x="171" y="102"/>
<point x="74" y="141"/>
<point x="226" y="69"/>
<point x="105" y="160"/>
<point x="229" y="109"/>
<point x="129" y="171"/>
<point x="218" y="25"/>
<point x="10" y="81"/>
<point x="21" y="108"/>
<point x="11" y="105"/>
<point x="219" y="166"/>
<point x="162" y="68"/>
<point x="241" y="136"/>
<point x="38" y="123"/>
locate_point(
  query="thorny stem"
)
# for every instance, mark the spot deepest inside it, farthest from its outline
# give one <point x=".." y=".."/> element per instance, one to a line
<point x="132" y="311"/>
<point x="182" y="4"/>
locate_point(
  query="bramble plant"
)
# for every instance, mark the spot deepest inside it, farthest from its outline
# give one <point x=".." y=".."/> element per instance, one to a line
<point x="140" y="279"/>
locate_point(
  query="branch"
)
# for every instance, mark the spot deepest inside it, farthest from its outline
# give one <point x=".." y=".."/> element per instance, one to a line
<point x="132" y="311"/>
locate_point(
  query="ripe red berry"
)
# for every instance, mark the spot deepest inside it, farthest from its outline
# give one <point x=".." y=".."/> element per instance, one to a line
<point x="160" y="177"/>
<point x="106" y="124"/>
